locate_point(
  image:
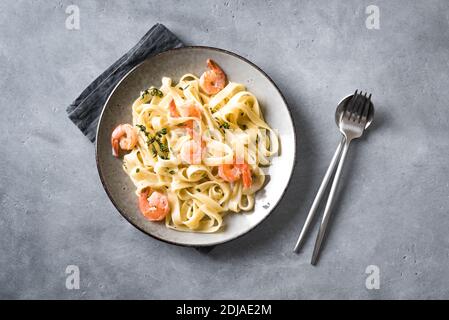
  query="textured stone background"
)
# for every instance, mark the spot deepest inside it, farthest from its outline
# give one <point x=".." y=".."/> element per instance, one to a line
<point x="394" y="205"/>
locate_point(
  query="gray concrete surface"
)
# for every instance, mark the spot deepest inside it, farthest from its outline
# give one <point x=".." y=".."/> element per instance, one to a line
<point x="393" y="212"/>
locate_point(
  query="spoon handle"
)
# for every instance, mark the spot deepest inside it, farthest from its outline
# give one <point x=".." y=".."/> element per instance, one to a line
<point x="329" y="203"/>
<point x="319" y="196"/>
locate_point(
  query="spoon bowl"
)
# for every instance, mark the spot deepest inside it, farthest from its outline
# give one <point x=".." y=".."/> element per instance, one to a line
<point x="341" y="106"/>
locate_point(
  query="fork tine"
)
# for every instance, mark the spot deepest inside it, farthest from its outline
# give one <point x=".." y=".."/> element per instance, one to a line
<point x="354" y="106"/>
<point x="345" y="107"/>
<point x="358" y="111"/>
<point x="365" y="111"/>
<point x="351" y="104"/>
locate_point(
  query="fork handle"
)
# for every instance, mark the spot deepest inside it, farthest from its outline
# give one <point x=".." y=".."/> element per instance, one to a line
<point x="329" y="203"/>
<point x="319" y="196"/>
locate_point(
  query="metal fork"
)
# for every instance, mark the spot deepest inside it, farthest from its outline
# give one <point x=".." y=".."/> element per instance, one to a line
<point x="352" y="124"/>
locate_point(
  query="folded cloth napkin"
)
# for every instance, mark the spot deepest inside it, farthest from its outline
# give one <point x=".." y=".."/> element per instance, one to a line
<point x="86" y="109"/>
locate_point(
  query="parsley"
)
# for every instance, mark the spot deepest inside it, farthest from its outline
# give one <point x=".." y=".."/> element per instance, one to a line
<point x="171" y="172"/>
<point x="162" y="146"/>
<point x="143" y="94"/>
<point x="155" y="92"/>
<point x="222" y="124"/>
<point x="199" y="190"/>
<point x="162" y="132"/>
<point x="137" y="170"/>
<point x="152" y="139"/>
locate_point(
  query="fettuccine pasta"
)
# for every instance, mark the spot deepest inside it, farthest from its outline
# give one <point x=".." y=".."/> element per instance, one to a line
<point x="196" y="150"/>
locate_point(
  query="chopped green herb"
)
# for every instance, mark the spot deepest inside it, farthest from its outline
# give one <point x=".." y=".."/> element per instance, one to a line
<point x="162" y="132"/>
<point x="199" y="190"/>
<point x="171" y="172"/>
<point x="137" y="170"/>
<point x="225" y="125"/>
<point x="155" y="138"/>
<point x="150" y="140"/>
<point x="164" y="147"/>
<point x="152" y="91"/>
<point x="143" y="94"/>
<point x="222" y="124"/>
<point x="156" y="92"/>
<point x="142" y="128"/>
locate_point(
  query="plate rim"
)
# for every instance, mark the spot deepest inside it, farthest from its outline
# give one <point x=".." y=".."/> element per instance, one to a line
<point x="100" y="173"/>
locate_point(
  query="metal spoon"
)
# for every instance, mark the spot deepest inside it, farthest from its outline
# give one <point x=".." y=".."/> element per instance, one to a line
<point x="342" y="106"/>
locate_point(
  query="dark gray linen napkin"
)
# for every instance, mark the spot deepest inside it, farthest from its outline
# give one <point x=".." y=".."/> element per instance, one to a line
<point x="86" y="109"/>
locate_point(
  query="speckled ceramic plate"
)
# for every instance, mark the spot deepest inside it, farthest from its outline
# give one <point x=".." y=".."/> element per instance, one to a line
<point x="175" y="63"/>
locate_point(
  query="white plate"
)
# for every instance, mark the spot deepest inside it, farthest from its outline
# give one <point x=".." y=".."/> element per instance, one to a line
<point x="174" y="63"/>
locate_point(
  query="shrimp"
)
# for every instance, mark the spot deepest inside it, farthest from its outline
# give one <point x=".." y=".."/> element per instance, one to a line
<point x="213" y="80"/>
<point x="124" y="136"/>
<point x="192" y="151"/>
<point x="229" y="172"/>
<point x="233" y="172"/>
<point x="173" y="111"/>
<point x="154" y="208"/>
<point x="190" y="110"/>
<point x="246" y="175"/>
<point x="187" y="110"/>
